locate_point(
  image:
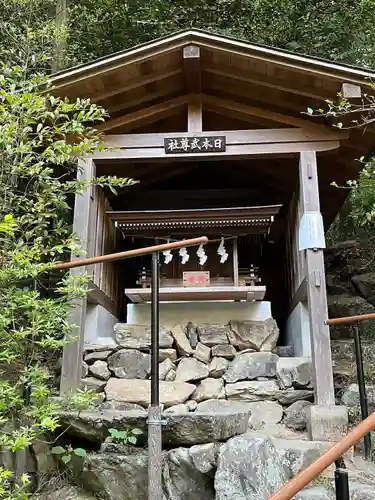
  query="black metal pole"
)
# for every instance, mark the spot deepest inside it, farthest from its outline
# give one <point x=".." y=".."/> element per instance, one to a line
<point x="155" y="490"/>
<point x="341" y="480"/>
<point x="155" y="284"/>
<point x="362" y="386"/>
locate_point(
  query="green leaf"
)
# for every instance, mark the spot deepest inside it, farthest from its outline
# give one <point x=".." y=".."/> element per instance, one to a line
<point x="136" y="431"/>
<point x="66" y="459"/>
<point x="80" y="452"/>
<point x="132" y="439"/>
<point x="310" y="111"/>
<point x="58" y="450"/>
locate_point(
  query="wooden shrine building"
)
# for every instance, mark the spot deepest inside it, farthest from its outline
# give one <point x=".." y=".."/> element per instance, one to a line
<point x="215" y="131"/>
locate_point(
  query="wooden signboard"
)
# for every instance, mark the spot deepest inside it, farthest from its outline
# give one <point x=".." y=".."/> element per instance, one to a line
<point x="196" y="278"/>
<point x="209" y="144"/>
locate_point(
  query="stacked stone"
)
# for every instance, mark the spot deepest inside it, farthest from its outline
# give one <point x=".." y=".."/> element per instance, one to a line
<point x="205" y="368"/>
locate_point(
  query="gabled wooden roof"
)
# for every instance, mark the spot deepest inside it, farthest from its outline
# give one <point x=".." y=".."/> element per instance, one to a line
<point x="166" y="70"/>
<point x="242" y="86"/>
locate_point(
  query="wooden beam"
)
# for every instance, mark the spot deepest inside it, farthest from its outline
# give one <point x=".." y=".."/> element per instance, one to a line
<point x="233" y="137"/>
<point x="300" y="295"/>
<point x="144" y="116"/>
<point x="192" y="69"/>
<point x="148" y="98"/>
<point x="135" y="83"/>
<point x="244" y="76"/>
<point x="316" y="289"/>
<point x="97" y="296"/>
<point x="351" y="91"/>
<point x="241" y="151"/>
<point x="239" y="110"/>
<point x="73" y="351"/>
<point x="195" y="115"/>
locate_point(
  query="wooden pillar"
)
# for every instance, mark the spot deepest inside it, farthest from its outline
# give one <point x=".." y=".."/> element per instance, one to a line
<point x="316" y="288"/>
<point x="73" y="352"/>
<point x="235" y="262"/>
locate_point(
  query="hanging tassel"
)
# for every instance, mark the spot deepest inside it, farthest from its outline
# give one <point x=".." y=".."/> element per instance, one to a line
<point x="184" y="255"/>
<point x="167" y="255"/>
<point x="201" y="254"/>
<point x="224" y="258"/>
<point x="222" y="252"/>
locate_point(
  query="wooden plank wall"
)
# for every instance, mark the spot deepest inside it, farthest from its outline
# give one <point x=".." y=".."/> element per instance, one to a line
<point x="104" y="239"/>
<point x="295" y="265"/>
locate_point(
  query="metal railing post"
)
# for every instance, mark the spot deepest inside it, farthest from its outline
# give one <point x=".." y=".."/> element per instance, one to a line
<point x="341" y="480"/>
<point x="155" y="490"/>
<point x="361" y="386"/>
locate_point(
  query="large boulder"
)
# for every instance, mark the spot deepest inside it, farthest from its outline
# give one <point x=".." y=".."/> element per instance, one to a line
<point x="349" y="305"/>
<point x="264" y="413"/>
<point x="252" y="391"/>
<point x="117" y="477"/>
<point x="365" y="285"/>
<point x="249" y="366"/>
<point x="295" y="372"/>
<point x="165" y="367"/>
<point x="190" y="369"/>
<point x="222" y="406"/>
<point x="226" y="351"/>
<point x="130" y="363"/>
<point x="178" y="429"/>
<point x="218" y="367"/>
<point x="67" y="493"/>
<point x="296" y="415"/>
<point x="139" y="391"/>
<point x="181" y="477"/>
<point x="349" y="258"/>
<point x="290" y="396"/>
<point x="187" y="474"/>
<point x="345" y="349"/>
<point x="182" y="342"/>
<point x="211" y="334"/>
<point x="202" y="353"/>
<point x="91" y="357"/>
<point x="210" y="388"/>
<point x="182" y="408"/>
<point x="350" y="398"/>
<point x="199" y="427"/>
<point x="100" y="370"/>
<point x="249" y="469"/>
<point x="167" y="353"/>
<point x="315" y="493"/>
<point x="258" y="335"/>
<point x="139" y="337"/>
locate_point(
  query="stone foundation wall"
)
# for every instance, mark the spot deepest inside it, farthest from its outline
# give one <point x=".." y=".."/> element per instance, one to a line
<point x="204" y="367"/>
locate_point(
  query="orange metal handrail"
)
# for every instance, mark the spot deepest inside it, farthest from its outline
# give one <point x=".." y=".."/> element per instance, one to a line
<point x="338" y="450"/>
<point x="350" y="319"/>
<point x="132" y="253"/>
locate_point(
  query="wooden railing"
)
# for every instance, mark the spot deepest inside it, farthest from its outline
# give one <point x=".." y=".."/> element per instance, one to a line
<point x="335" y="454"/>
<point x="332" y="455"/>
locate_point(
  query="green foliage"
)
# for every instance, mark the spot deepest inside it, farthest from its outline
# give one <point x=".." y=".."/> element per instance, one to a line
<point x="41" y="137"/>
<point x="336" y="29"/>
<point x="126" y="436"/>
<point x="67" y="453"/>
<point x="346" y="115"/>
